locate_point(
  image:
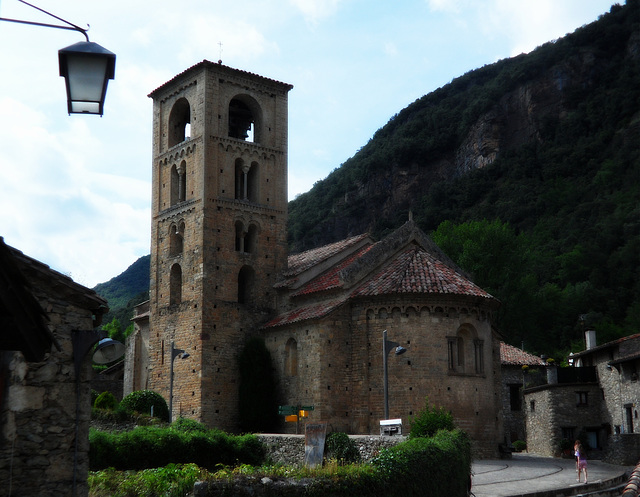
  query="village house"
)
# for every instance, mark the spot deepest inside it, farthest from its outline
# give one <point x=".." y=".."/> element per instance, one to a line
<point x="47" y="328"/>
<point x="518" y="368"/>
<point x="595" y="400"/>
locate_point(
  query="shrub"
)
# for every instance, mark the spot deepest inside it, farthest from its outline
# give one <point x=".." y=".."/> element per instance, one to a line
<point x="430" y="420"/>
<point x="106" y="400"/>
<point x="172" y="480"/>
<point x="439" y="466"/>
<point x="188" y="425"/>
<point x="142" y="401"/>
<point x="340" y="447"/>
<point x="153" y="447"/>
<point x="519" y="445"/>
<point x="117" y="415"/>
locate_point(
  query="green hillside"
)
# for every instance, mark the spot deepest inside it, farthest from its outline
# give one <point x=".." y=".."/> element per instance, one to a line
<point x="552" y="225"/>
<point x="126" y="290"/>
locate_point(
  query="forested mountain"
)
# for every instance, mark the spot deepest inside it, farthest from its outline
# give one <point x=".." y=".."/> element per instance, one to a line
<point x="534" y="164"/>
<point x="125" y="291"/>
<point x="526" y="172"/>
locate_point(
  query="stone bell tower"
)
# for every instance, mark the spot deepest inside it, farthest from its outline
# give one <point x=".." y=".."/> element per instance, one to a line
<point x="218" y="231"/>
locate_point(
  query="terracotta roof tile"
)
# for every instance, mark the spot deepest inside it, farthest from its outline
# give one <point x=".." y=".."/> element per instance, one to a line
<point x="303" y="313"/>
<point x="416" y="271"/>
<point x="298" y="263"/>
<point x="513" y="356"/>
<point x="331" y="278"/>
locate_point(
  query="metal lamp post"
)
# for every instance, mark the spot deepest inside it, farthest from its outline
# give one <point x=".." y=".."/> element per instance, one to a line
<point x="174" y="353"/>
<point x="107" y="351"/>
<point x="86" y="67"/>
<point x="387" y="346"/>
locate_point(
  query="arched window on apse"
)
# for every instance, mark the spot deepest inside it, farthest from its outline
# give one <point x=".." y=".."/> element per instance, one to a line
<point x="466" y="351"/>
<point x="175" y="285"/>
<point x="291" y="358"/>
<point x="176" y="239"/>
<point x="246" y="277"/>
<point x="179" y="122"/>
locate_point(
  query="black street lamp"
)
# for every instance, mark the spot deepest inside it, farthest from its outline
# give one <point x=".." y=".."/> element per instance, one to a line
<point x="86" y="67"/>
<point x="387" y="346"/>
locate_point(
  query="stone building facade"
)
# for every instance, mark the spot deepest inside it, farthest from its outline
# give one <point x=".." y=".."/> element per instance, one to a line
<point x="47" y="327"/>
<point x="596" y="401"/>
<point x="516" y="373"/>
<point x="220" y="273"/>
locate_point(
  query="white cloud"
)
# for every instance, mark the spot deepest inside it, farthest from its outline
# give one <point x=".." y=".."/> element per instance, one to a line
<point x="315" y="11"/>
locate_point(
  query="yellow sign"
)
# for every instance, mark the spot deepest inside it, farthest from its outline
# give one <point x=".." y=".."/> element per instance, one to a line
<point x="303" y="414"/>
<point x="291" y="418"/>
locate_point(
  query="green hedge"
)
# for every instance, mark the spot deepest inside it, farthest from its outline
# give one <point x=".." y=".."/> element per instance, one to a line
<point x="439" y="466"/>
<point x="434" y="467"/>
<point x="154" y="447"/>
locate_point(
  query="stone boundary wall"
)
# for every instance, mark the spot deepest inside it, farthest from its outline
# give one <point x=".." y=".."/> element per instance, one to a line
<point x="623" y="449"/>
<point x="289" y="449"/>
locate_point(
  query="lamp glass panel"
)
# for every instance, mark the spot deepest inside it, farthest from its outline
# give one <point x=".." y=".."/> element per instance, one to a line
<point x="85" y="107"/>
<point x="86" y="78"/>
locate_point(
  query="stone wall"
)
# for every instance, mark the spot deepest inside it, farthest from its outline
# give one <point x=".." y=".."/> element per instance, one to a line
<point x="623" y="449"/>
<point x="340" y="369"/>
<point x="40" y="414"/>
<point x="289" y="449"/>
<point x="553" y="407"/>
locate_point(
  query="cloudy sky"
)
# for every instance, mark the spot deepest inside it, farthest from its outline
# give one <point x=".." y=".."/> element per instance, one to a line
<point x="75" y="190"/>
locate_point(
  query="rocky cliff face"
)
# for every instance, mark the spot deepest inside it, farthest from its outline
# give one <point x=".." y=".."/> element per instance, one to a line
<point x="515" y="119"/>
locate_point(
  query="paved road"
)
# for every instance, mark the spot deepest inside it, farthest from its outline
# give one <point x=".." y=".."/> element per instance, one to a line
<point x="527" y="474"/>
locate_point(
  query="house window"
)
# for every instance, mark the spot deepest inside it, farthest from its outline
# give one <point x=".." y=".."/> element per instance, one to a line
<point x="515" y="399"/>
<point x="532" y="405"/>
<point x="568" y="432"/>
<point x="582" y="399"/>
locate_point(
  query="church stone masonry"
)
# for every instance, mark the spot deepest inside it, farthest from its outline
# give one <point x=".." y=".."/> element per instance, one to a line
<point x="220" y="273"/>
<point x="219" y="214"/>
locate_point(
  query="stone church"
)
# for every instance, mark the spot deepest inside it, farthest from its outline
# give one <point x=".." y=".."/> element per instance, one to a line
<point x="220" y="272"/>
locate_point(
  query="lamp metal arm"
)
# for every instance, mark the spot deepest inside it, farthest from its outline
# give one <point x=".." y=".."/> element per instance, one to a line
<point x="71" y="26"/>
